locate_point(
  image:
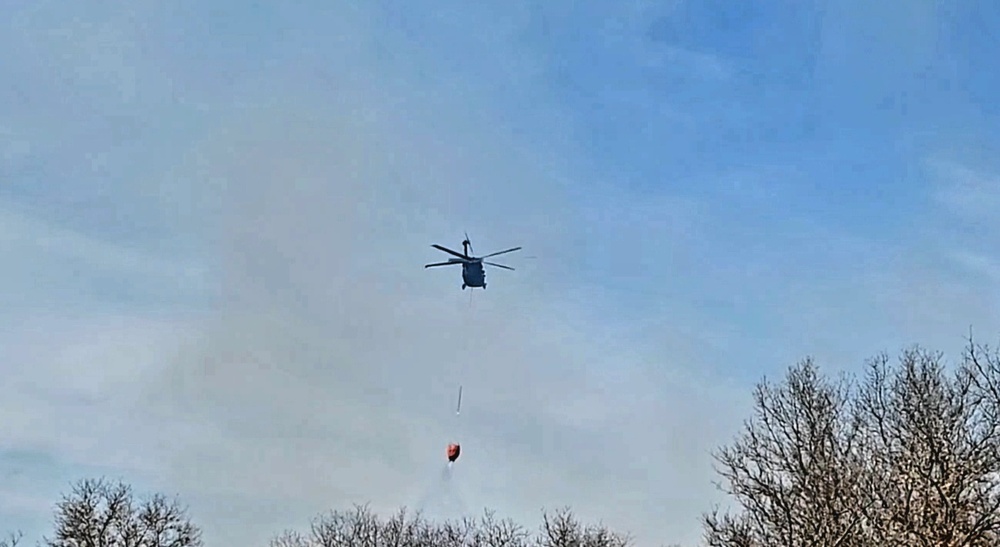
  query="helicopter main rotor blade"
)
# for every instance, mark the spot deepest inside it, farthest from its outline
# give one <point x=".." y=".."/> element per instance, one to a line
<point x="449" y="263"/>
<point x="494" y="264"/>
<point x="449" y="251"/>
<point x="502" y="252"/>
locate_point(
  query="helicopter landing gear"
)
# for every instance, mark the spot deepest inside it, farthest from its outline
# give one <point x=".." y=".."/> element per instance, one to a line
<point x="463" y="286"/>
<point x="484" y="286"/>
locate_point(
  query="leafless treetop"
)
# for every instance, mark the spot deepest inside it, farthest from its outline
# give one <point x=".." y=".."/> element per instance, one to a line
<point x="908" y="456"/>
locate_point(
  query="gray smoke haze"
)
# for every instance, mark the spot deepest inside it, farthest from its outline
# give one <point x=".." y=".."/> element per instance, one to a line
<point x="214" y="219"/>
<point x="320" y="370"/>
<point x="327" y="372"/>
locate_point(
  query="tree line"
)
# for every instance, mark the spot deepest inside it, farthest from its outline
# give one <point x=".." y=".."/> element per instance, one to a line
<point x="906" y="453"/>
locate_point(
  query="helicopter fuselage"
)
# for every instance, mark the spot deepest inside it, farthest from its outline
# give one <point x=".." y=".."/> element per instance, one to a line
<point x="473" y="267"/>
<point x="473" y="274"/>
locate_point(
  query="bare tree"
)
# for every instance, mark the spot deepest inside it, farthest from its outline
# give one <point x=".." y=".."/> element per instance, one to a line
<point x="794" y="470"/>
<point x="931" y="446"/>
<point x="290" y="538"/>
<point x="911" y="457"/>
<point x="361" y="528"/>
<point x="98" y="513"/>
<point x="562" y="529"/>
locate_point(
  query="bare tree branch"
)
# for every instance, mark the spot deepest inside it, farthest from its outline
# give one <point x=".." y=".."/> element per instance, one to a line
<point x="13" y="539"/>
<point x="98" y="513"/>
<point x="361" y="528"/>
<point x="911" y="457"/>
<point x="794" y="469"/>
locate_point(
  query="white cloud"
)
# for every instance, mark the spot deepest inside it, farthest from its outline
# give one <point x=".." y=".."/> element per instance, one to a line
<point x="970" y="194"/>
<point x="964" y="231"/>
<point x="979" y="264"/>
<point x="943" y="279"/>
<point x="23" y="232"/>
<point x="75" y="386"/>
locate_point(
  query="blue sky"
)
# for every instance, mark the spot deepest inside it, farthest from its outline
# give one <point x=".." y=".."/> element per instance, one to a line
<point x="215" y="216"/>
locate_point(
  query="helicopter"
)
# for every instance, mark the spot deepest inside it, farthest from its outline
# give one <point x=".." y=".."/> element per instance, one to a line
<point x="473" y="273"/>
